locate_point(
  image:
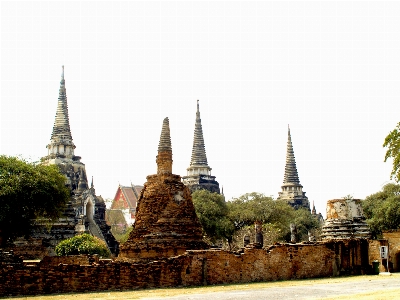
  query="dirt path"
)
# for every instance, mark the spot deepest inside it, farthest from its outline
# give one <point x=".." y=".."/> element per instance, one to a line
<point x="355" y="287"/>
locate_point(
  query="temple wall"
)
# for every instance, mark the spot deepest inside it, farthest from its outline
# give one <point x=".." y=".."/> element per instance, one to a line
<point x="195" y="267"/>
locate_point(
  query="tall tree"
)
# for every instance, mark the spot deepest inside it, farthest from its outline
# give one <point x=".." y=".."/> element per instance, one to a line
<point x="382" y="209"/>
<point x="28" y="191"/>
<point x="392" y="143"/>
<point x="212" y="211"/>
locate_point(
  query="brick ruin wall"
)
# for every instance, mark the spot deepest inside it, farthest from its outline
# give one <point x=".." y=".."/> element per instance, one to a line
<point x="195" y="267"/>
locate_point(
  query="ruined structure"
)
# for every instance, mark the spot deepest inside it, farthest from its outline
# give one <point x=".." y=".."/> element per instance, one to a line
<point x="199" y="172"/>
<point x="344" y="220"/>
<point x="193" y="268"/>
<point x="166" y="223"/>
<point x="85" y="211"/>
<point x="292" y="190"/>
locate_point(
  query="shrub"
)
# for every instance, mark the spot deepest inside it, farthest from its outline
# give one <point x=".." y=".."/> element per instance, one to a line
<point x="82" y="244"/>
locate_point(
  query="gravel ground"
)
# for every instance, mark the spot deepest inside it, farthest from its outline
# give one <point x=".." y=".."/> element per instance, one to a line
<point x="307" y="291"/>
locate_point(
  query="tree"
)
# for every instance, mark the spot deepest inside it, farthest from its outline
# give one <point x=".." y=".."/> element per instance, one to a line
<point x="276" y="217"/>
<point x="28" y="191"/>
<point x="392" y="142"/>
<point x="212" y="211"/>
<point x="382" y="209"/>
<point x="82" y="244"/>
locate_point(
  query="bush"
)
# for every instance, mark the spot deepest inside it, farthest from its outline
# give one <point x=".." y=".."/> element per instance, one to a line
<point x="82" y="244"/>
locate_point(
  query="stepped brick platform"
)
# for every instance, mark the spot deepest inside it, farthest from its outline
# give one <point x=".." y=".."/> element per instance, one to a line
<point x="166" y="222"/>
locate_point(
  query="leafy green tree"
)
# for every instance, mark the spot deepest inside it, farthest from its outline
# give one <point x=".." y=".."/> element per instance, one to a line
<point x="276" y="217"/>
<point x="382" y="209"/>
<point x="392" y="143"/>
<point x="28" y="191"/>
<point x="212" y="211"/>
<point x="305" y="222"/>
<point x="82" y="244"/>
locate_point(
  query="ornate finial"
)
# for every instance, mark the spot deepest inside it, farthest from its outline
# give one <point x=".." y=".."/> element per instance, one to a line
<point x="164" y="157"/>
<point x="62" y="73"/>
<point x="92" y="185"/>
<point x="198" y="109"/>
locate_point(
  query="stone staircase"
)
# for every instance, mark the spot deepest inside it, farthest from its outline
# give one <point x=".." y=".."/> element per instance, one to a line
<point x="95" y="231"/>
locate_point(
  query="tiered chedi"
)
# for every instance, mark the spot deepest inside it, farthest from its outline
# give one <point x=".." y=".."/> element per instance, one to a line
<point x="199" y="172"/>
<point x="292" y="190"/>
<point x="166" y="222"/>
<point x="85" y="211"/>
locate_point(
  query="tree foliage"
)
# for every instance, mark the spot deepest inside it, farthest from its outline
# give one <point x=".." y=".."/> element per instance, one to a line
<point x="28" y="191"/>
<point x="212" y="211"/>
<point x="82" y="244"/>
<point x="392" y="143"/>
<point x="382" y="209"/>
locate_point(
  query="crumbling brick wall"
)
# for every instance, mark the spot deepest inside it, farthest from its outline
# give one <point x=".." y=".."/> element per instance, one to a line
<point x="195" y="267"/>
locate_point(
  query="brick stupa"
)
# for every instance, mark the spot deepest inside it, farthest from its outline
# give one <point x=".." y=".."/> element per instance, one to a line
<point x="166" y="223"/>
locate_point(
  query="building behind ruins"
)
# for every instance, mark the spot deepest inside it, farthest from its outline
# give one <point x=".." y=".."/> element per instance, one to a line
<point x="166" y="223"/>
<point x="199" y="172"/>
<point x="292" y="191"/>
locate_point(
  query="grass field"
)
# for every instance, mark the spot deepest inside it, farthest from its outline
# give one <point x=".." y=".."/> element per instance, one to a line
<point x="139" y="294"/>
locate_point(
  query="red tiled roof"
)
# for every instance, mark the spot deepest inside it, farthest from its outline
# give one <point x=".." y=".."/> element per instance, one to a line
<point x="131" y="195"/>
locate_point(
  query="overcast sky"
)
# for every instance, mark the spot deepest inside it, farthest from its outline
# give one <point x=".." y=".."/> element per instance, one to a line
<point x="329" y="69"/>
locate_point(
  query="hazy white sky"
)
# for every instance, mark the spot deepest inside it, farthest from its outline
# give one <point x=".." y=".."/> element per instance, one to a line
<point x="329" y="69"/>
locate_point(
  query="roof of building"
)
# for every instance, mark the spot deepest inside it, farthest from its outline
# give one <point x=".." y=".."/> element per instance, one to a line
<point x="131" y="194"/>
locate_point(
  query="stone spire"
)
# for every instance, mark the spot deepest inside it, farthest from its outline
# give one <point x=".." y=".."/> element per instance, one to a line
<point x="291" y="175"/>
<point x="61" y="139"/>
<point x="199" y="156"/>
<point x="292" y="190"/>
<point x="199" y="172"/>
<point x="164" y="157"/>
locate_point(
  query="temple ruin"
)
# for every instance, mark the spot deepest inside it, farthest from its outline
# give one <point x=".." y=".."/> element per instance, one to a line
<point x="199" y="172"/>
<point x="345" y="220"/>
<point x="292" y="191"/>
<point x="166" y="223"/>
<point x="85" y="211"/>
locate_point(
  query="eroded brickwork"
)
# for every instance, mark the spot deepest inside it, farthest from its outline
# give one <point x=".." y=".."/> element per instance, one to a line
<point x="195" y="267"/>
<point x="166" y="222"/>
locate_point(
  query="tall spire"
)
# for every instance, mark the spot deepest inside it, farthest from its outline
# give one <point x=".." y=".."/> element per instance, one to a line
<point x="198" y="151"/>
<point x="291" y="175"/>
<point x="164" y="157"/>
<point x="61" y="139"/>
<point x="61" y="128"/>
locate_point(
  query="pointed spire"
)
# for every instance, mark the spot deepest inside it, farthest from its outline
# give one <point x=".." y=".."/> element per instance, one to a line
<point x="164" y="157"/>
<point x="198" y="151"/>
<point x="314" y="211"/>
<point x="61" y="128"/>
<point x="92" y="185"/>
<point x="165" y="138"/>
<point x="291" y="175"/>
<point x="61" y="143"/>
